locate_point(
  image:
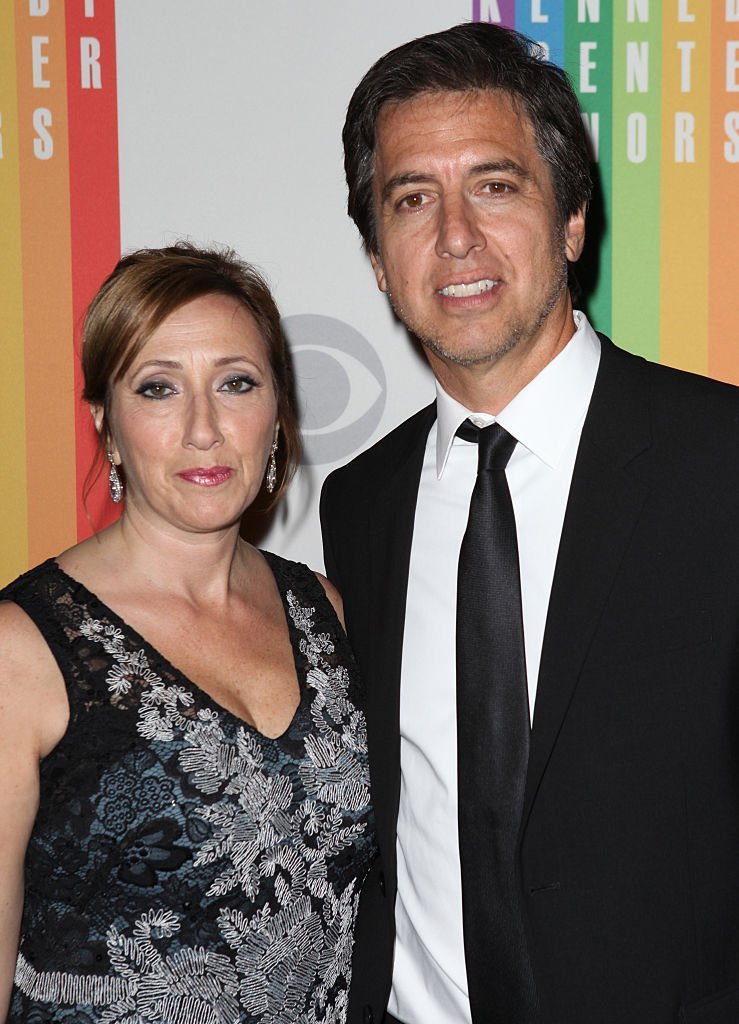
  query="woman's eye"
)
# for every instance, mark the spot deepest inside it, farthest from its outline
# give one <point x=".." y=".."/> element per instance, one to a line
<point x="155" y="389"/>
<point x="238" y="385"/>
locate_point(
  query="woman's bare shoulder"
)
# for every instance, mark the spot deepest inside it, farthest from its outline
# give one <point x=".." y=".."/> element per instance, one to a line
<point x="33" y="700"/>
<point x="19" y="636"/>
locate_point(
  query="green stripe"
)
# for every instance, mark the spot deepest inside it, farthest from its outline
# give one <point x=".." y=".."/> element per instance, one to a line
<point x="636" y="190"/>
<point x="596" y="261"/>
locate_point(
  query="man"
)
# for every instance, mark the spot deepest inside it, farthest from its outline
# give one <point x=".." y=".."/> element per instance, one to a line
<point x="585" y="870"/>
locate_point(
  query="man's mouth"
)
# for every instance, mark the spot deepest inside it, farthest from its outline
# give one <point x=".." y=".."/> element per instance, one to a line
<point x="461" y="291"/>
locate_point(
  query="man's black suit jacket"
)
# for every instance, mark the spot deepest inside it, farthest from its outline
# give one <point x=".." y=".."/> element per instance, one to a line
<point x="629" y="847"/>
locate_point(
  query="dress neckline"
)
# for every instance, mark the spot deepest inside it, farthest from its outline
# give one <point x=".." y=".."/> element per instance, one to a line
<point x="155" y="655"/>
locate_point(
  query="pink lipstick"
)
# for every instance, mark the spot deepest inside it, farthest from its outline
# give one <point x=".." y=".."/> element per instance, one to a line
<point x="210" y="476"/>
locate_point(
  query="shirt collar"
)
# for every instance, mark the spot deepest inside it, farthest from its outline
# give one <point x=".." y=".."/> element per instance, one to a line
<point x="544" y="415"/>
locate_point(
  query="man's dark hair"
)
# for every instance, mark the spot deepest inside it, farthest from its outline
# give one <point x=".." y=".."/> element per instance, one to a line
<point x="475" y="56"/>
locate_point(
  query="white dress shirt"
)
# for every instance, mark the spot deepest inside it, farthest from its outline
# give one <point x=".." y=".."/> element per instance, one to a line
<point x="546" y="418"/>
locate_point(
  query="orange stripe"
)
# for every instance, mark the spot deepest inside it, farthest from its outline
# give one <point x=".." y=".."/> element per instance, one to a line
<point x="13" y="500"/>
<point x="685" y="188"/>
<point x="723" y="355"/>
<point x="42" y="108"/>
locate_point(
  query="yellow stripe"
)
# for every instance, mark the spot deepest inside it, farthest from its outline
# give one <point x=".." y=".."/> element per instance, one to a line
<point x="13" y="497"/>
<point x="723" y="356"/>
<point x="685" y="188"/>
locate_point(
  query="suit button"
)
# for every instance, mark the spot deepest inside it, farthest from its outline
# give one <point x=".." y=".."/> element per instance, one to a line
<point x="381" y="882"/>
<point x="369" y="1017"/>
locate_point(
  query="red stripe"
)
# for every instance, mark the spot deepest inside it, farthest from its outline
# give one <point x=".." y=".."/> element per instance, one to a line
<point x="95" y="203"/>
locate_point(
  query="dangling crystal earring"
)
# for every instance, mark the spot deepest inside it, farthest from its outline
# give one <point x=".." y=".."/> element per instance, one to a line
<point x="272" y="468"/>
<point x="114" y="481"/>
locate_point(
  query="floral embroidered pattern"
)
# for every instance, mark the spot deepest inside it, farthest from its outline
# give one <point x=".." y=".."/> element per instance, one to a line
<point x="129" y="665"/>
<point x="248" y="851"/>
<point x="188" y="985"/>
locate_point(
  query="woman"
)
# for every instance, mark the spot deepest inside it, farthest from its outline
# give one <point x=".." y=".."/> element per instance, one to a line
<point x="179" y="730"/>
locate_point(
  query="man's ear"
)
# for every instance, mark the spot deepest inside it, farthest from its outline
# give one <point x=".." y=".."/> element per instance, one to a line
<point x="575" y="235"/>
<point x="379" y="271"/>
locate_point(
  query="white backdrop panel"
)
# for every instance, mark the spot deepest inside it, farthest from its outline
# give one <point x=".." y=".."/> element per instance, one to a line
<point x="230" y="114"/>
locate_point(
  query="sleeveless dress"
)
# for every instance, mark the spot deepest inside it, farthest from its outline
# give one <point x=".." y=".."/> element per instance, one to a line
<point x="184" y="868"/>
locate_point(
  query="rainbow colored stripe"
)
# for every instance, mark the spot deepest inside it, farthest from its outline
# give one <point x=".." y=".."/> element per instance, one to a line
<point x="659" y="83"/>
<point x="59" y="236"/>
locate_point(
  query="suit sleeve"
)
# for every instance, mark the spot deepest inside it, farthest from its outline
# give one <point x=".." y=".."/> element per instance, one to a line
<point x="328" y="531"/>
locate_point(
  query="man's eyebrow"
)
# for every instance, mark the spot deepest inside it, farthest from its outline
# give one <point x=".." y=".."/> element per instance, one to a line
<point x="400" y="181"/>
<point x="489" y="167"/>
<point x="498" y="167"/>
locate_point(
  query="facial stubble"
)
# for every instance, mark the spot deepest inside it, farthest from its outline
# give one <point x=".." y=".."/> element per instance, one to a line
<point x="519" y="331"/>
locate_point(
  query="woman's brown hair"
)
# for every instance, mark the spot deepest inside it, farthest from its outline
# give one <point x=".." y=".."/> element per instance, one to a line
<point x="145" y="288"/>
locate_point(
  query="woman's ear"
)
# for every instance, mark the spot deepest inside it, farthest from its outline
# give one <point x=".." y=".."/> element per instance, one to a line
<point x="98" y="416"/>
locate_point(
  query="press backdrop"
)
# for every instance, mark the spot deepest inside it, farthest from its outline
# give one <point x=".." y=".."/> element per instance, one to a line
<point x="143" y="121"/>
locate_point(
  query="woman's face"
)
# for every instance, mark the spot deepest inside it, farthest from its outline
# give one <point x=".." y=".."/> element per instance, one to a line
<point x="193" y="419"/>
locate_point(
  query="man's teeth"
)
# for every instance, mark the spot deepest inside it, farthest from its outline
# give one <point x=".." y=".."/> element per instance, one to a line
<point x="457" y="291"/>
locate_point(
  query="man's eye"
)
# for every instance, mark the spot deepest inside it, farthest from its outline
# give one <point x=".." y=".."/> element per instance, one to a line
<point x="155" y="389"/>
<point x="413" y="202"/>
<point x="497" y="188"/>
<point x="238" y="385"/>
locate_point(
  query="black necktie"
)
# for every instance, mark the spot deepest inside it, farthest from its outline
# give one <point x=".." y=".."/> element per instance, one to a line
<point x="492" y="742"/>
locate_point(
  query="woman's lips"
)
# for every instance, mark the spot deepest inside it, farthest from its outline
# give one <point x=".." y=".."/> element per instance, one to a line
<point x="207" y="477"/>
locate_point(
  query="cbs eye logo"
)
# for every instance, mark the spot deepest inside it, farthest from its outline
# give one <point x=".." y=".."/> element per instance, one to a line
<point x="340" y="386"/>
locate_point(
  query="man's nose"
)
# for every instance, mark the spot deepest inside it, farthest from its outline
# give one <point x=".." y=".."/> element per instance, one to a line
<point x="459" y="232"/>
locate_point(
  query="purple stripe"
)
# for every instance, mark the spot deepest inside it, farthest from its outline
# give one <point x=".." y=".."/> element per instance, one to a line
<point x="499" y="12"/>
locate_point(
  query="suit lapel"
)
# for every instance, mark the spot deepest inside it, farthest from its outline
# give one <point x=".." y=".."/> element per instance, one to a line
<point x="391" y="532"/>
<point x="608" y="488"/>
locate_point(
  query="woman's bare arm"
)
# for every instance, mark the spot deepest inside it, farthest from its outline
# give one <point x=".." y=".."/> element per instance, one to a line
<point x="33" y="717"/>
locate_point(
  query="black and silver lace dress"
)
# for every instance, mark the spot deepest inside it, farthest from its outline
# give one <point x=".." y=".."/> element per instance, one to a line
<point x="184" y="868"/>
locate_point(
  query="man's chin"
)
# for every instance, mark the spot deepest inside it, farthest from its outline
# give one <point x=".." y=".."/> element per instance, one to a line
<point x="467" y="355"/>
<point x="458" y="351"/>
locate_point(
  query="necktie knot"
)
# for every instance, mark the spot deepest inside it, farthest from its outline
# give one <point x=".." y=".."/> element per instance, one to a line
<point x="495" y="444"/>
